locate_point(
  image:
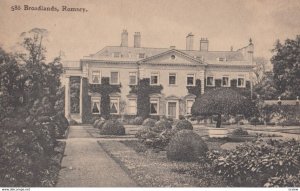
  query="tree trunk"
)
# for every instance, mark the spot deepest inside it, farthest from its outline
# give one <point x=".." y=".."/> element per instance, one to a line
<point x="219" y="120"/>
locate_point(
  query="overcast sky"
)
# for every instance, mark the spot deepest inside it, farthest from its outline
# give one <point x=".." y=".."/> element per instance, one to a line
<point x="162" y="23"/>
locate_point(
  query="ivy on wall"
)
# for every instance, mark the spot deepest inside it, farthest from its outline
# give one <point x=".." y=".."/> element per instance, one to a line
<point x="74" y="93"/>
<point x="196" y="90"/>
<point x="104" y="89"/>
<point x="143" y="91"/>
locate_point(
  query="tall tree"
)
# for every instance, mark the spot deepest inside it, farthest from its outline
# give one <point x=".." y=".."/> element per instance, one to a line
<point x="286" y="67"/>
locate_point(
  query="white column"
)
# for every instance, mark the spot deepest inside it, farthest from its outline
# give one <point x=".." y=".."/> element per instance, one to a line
<point x="81" y="98"/>
<point x="67" y="98"/>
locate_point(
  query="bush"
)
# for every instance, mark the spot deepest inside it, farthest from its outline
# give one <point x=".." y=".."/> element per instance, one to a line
<point x="95" y="122"/>
<point x="149" y="122"/>
<point x="154" y="139"/>
<point x="100" y="124"/>
<point x="186" y="146"/>
<point x="240" y="132"/>
<point x="162" y="125"/>
<point x="290" y="122"/>
<point x="111" y="127"/>
<point x="184" y="124"/>
<point x="271" y="163"/>
<point x="137" y="121"/>
<point x="255" y="121"/>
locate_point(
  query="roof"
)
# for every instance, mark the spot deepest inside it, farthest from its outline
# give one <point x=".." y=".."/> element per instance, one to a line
<point x="118" y="53"/>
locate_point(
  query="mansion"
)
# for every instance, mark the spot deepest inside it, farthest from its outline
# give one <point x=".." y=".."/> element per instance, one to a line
<point x="176" y="71"/>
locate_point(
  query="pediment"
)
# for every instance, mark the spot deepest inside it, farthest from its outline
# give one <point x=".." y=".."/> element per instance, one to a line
<point x="172" y="57"/>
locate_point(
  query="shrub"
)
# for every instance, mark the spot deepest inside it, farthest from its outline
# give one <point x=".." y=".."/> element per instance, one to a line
<point x="290" y="122"/>
<point x="100" y="124"/>
<point x="111" y="127"/>
<point x="184" y="124"/>
<point x="186" y="146"/>
<point x="240" y="132"/>
<point x="149" y="122"/>
<point x="154" y="139"/>
<point x="138" y="121"/>
<point x="162" y="125"/>
<point x="271" y="163"/>
<point x="255" y="121"/>
<point x="95" y="122"/>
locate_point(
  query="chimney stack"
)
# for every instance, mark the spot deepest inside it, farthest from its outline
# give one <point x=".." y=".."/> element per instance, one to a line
<point x="204" y="44"/>
<point x="189" y="41"/>
<point x="137" y="40"/>
<point x="124" y="38"/>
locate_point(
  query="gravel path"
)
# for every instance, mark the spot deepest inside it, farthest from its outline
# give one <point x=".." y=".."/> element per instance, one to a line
<point x="87" y="165"/>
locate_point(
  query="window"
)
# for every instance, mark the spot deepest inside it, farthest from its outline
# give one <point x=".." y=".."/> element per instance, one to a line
<point x="154" y="78"/>
<point x="189" y="104"/>
<point x="114" y="77"/>
<point x="154" y="106"/>
<point x="221" y="59"/>
<point x="141" y="55"/>
<point x="225" y="81"/>
<point x="241" y="82"/>
<point x="190" y="80"/>
<point x="95" y="105"/>
<point x="96" y="77"/>
<point x="114" y="105"/>
<point x="116" y="54"/>
<point x="132" y="78"/>
<point x="132" y="106"/>
<point x="210" y="81"/>
<point x="172" y="79"/>
<point x="173" y="57"/>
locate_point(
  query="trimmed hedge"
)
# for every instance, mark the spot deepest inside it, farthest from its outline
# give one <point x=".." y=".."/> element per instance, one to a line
<point x="240" y="132"/>
<point x="186" y="146"/>
<point x="162" y="125"/>
<point x="111" y="127"/>
<point x="184" y="124"/>
<point x="149" y="122"/>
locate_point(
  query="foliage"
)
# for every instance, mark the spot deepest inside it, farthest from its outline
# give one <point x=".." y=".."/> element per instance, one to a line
<point x="99" y="124"/>
<point x="149" y="122"/>
<point x="195" y="90"/>
<point x="223" y="101"/>
<point x="105" y="89"/>
<point x="186" y="146"/>
<point x="74" y="94"/>
<point x="143" y="91"/>
<point x="184" y="124"/>
<point x="154" y="139"/>
<point x="162" y="125"/>
<point x="137" y="121"/>
<point x="111" y="127"/>
<point x="286" y="68"/>
<point x="33" y="117"/>
<point x="290" y="122"/>
<point x="275" y="163"/>
<point x="266" y="88"/>
<point x="239" y="132"/>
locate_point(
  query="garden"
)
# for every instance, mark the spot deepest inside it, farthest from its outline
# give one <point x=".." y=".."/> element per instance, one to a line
<point x="178" y="153"/>
<point x="32" y="121"/>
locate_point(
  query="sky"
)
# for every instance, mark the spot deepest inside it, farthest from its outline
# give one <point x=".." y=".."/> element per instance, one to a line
<point x="162" y="23"/>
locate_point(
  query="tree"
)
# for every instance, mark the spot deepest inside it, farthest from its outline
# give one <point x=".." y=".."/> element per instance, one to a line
<point x="286" y="67"/>
<point x="223" y="101"/>
<point x="259" y="69"/>
<point x="266" y="88"/>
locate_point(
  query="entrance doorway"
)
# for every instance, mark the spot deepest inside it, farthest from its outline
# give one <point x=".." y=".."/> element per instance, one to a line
<point x="172" y="109"/>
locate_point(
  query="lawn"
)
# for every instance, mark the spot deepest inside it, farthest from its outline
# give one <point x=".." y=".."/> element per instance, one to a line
<point x="151" y="168"/>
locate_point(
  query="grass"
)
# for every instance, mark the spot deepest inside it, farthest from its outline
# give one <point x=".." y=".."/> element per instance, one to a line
<point x="148" y="167"/>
